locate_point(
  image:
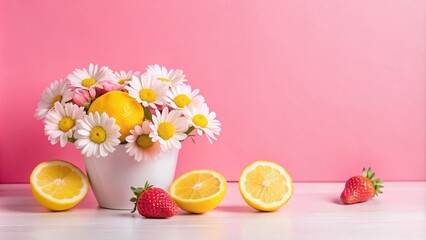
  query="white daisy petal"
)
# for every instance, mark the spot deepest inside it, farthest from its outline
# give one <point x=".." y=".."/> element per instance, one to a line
<point x="146" y="149"/>
<point x="97" y="135"/>
<point x="172" y="78"/>
<point x="103" y="150"/>
<point x="122" y="79"/>
<point x="58" y="91"/>
<point x="95" y="150"/>
<point x="200" y="132"/>
<point x="90" y="78"/>
<point x="146" y="91"/>
<point x="168" y="129"/>
<point x="182" y="96"/>
<point x="60" y="122"/>
<point x="202" y="120"/>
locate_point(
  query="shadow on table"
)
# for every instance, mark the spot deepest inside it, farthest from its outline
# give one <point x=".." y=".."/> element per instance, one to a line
<point x="236" y="209"/>
<point x="22" y="204"/>
<point x="336" y="201"/>
<point x="22" y="200"/>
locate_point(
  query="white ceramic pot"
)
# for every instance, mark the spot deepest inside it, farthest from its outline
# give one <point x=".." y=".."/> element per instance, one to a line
<point x="111" y="177"/>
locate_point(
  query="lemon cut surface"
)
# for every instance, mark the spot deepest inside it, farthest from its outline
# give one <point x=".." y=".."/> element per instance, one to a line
<point x="58" y="185"/>
<point x="198" y="191"/>
<point x="265" y="186"/>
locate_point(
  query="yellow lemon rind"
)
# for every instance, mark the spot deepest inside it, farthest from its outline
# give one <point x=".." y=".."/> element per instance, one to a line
<point x="127" y="115"/>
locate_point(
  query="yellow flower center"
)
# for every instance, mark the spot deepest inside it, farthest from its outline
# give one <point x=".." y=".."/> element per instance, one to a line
<point x="144" y="141"/>
<point x="164" y="79"/>
<point x="123" y="81"/>
<point x="66" y="124"/>
<point x="148" y="95"/>
<point x="98" y="135"/>
<point x="87" y="82"/>
<point x="166" y="130"/>
<point x="182" y="100"/>
<point x="200" y="120"/>
<point x="55" y="99"/>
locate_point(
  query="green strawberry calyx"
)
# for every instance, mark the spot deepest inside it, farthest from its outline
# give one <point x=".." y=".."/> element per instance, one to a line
<point x="377" y="182"/>
<point x="138" y="191"/>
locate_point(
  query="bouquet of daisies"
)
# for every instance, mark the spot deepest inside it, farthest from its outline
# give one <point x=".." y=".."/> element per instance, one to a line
<point x="98" y="109"/>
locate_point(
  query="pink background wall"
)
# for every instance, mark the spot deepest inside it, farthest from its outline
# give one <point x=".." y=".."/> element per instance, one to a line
<point x="322" y="87"/>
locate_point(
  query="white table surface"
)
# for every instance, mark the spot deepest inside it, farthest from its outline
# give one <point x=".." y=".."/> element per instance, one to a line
<point x="314" y="212"/>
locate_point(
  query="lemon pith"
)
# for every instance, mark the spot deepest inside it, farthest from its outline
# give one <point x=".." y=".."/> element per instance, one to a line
<point x="198" y="191"/>
<point x="265" y="186"/>
<point x="58" y="185"/>
<point x="119" y="105"/>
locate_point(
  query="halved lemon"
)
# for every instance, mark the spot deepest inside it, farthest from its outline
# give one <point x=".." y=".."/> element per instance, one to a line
<point x="58" y="185"/>
<point x="265" y="186"/>
<point x="198" y="191"/>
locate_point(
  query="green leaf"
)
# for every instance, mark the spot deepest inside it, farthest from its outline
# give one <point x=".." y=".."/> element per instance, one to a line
<point x="147" y="185"/>
<point x="369" y="173"/>
<point x="378" y="181"/>
<point x="148" y="113"/>
<point x="134" y="209"/>
<point x="364" y="173"/>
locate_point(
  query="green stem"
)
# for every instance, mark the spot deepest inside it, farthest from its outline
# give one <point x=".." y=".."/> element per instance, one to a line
<point x="148" y="113"/>
<point x="190" y="129"/>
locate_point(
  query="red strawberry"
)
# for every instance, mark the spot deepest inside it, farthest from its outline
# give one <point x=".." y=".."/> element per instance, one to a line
<point x="153" y="202"/>
<point x="361" y="188"/>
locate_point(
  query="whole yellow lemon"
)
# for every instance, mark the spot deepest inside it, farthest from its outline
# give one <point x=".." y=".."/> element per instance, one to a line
<point x="125" y="109"/>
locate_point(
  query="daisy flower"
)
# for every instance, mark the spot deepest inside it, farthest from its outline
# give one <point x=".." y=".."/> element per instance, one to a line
<point x="168" y="128"/>
<point x="90" y="78"/>
<point x="60" y="123"/>
<point x="203" y="121"/>
<point x="97" y="135"/>
<point x="182" y="96"/>
<point x="140" y="144"/>
<point x="118" y="82"/>
<point x="58" y="91"/>
<point x="172" y="77"/>
<point x="147" y="91"/>
<point x="123" y="78"/>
